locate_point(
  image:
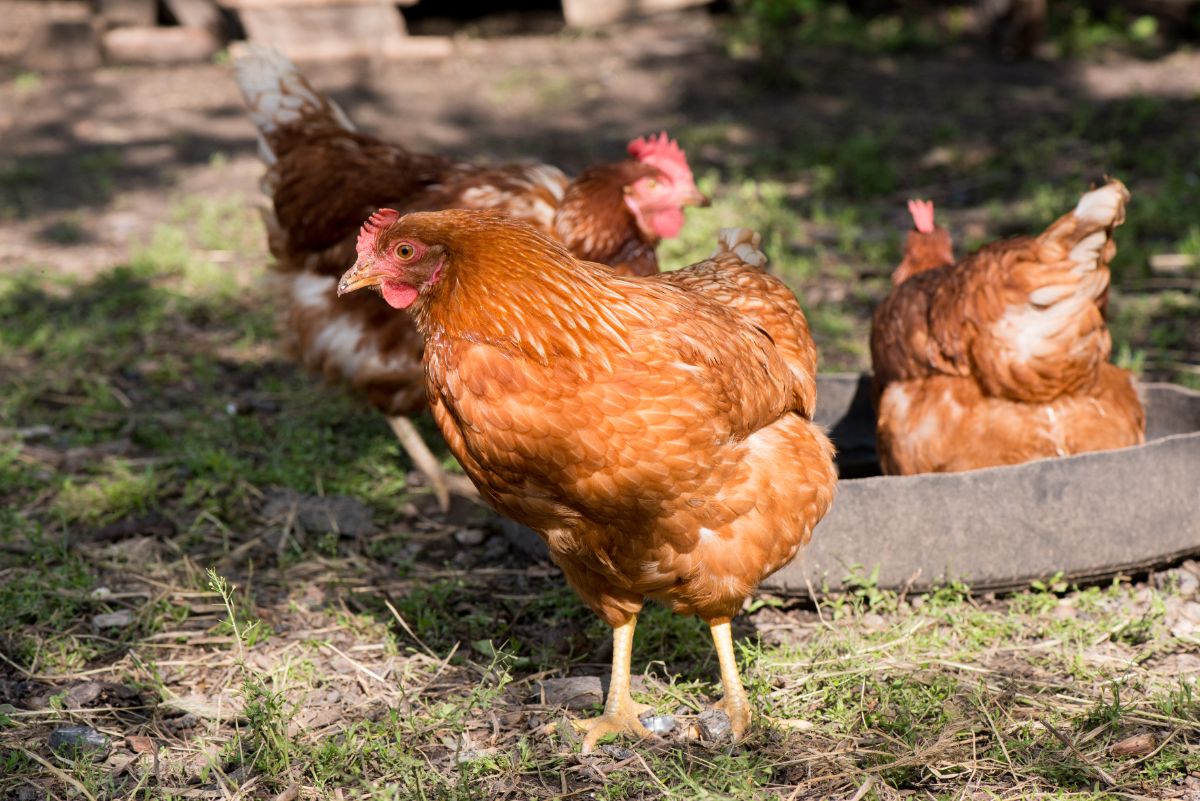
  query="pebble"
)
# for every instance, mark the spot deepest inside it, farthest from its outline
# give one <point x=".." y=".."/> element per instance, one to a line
<point x="1183" y="581"/>
<point x="76" y="741"/>
<point x="181" y="723"/>
<point x="339" y="514"/>
<point x="1183" y="618"/>
<point x="714" y="725"/>
<point x="874" y="622"/>
<point x="617" y="752"/>
<point x="112" y="620"/>
<point x="576" y="692"/>
<point x="469" y="536"/>
<point x="659" y="724"/>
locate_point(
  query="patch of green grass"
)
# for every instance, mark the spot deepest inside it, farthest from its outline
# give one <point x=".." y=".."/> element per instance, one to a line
<point x="16" y="194"/>
<point x="99" y="170"/>
<point x="772" y="28"/>
<point x="45" y="607"/>
<point x="116" y="492"/>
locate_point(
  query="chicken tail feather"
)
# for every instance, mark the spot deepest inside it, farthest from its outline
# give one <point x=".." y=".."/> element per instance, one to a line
<point x="741" y="243"/>
<point x="1083" y="236"/>
<point x="278" y="95"/>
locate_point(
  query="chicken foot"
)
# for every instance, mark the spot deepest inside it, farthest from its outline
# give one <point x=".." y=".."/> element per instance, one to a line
<point x="734" y="704"/>
<point x="428" y="464"/>
<point x="620" y="710"/>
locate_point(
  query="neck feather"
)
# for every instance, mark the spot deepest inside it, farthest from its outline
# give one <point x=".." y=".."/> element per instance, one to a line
<point x="526" y="294"/>
<point x="593" y="220"/>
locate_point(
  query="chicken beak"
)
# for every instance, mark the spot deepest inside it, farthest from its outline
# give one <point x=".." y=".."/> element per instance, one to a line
<point x="700" y="199"/>
<point x="358" y="276"/>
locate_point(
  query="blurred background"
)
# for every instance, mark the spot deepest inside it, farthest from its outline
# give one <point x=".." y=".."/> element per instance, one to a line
<point x="122" y="134"/>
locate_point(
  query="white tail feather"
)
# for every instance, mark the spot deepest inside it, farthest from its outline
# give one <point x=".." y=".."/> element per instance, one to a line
<point x="1083" y="234"/>
<point x="742" y="243"/>
<point x="277" y="94"/>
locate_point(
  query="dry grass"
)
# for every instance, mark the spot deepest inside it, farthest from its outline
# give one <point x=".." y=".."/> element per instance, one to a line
<point x="327" y="675"/>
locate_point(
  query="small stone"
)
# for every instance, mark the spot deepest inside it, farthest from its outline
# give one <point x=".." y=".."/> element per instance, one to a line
<point x="617" y="752"/>
<point x="659" y="724"/>
<point x="1064" y="611"/>
<point x="714" y="725"/>
<point x="181" y="723"/>
<point x="874" y="622"/>
<point x="113" y="620"/>
<point x="1183" y="618"/>
<point x="1182" y="579"/>
<point x="99" y="693"/>
<point x="1135" y="746"/>
<point x="77" y="741"/>
<point x="577" y="692"/>
<point x="495" y="549"/>
<point x="27" y="793"/>
<point x="101" y="592"/>
<point x="338" y="514"/>
<point x="469" y="536"/>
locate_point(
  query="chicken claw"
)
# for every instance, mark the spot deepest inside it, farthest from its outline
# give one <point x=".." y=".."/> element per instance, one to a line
<point x="620" y="710"/>
<point x="623" y="720"/>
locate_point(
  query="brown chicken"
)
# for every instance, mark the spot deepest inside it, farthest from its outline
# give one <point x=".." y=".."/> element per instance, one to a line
<point x="1003" y="357"/>
<point x="657" y="432"/>
<point x="928" y="245"/>
<point x="325" y="179"/>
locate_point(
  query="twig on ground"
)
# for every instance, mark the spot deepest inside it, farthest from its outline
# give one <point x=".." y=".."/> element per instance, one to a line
<point x="1066" y="741"/>
<point x="59" y="774"/>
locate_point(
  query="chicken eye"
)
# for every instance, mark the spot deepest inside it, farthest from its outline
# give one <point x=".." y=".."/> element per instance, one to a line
<point x="405" y="251"/>
<point x="651" y="183"/>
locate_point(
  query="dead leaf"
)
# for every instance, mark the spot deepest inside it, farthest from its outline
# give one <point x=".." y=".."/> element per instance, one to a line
<point x="1135" y="746"/>
<point x="221" y="708"/>
<point x="140" y="744"/>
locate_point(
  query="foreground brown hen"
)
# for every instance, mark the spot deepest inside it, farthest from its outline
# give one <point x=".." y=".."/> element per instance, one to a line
<point x="324" y="179"/>
<point x="1003" y="357"/>
<point x="657" y="432"/>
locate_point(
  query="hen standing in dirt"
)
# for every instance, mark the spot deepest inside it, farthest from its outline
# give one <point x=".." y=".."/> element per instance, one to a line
<point x="325" y="179"/>
<point x="657" y="432"/>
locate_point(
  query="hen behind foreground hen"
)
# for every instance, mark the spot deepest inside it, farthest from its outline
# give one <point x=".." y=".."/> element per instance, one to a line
<point x="656" y="431"/>
<point x="324" y="179"/>
<point x="1003" y="357"/>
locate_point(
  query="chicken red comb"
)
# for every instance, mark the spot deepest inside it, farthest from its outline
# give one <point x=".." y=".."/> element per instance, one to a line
<point x="371" y="228"/>
<point x="922" y="214"/>
<point x="658" y="149"/>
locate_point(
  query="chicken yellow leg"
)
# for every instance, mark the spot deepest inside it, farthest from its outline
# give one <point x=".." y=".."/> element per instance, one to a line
<point x="620" y="710"/>
<point x="423" y="459"/>
<point x="734" y="704"/>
